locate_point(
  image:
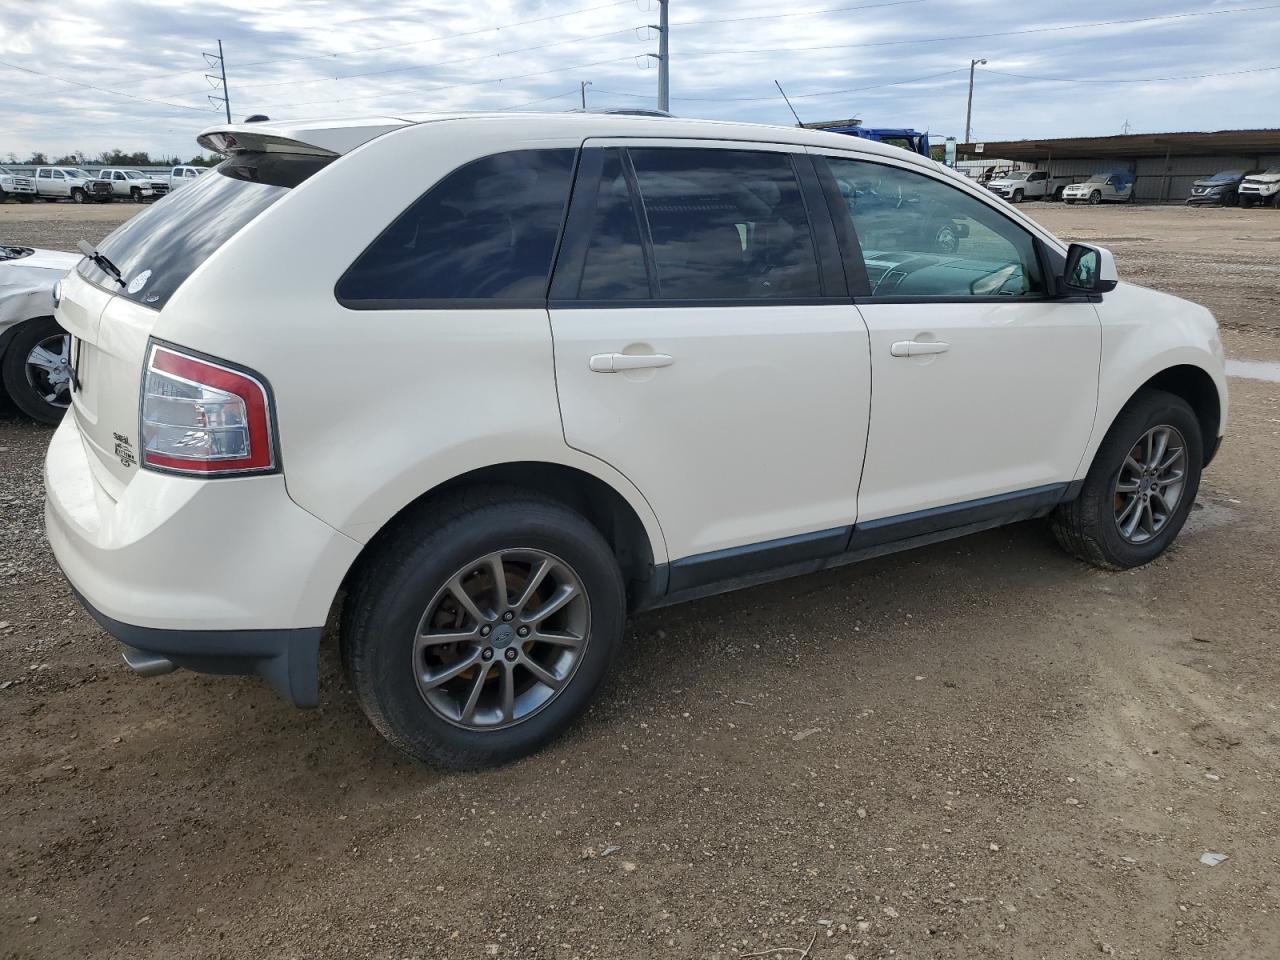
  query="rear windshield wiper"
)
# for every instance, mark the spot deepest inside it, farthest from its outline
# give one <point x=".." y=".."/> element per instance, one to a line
<point x="109" y="268"/>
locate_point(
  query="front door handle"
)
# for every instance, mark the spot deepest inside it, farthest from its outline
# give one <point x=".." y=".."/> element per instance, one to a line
<point x="617" y="362"/>
<point x="917" y="348"/>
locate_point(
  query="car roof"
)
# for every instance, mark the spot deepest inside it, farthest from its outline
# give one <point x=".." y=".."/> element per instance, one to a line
<point x="335" y="136"/>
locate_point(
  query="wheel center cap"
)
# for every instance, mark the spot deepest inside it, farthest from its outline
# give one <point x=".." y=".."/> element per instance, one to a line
<point x="1145" y="485"/>
<point x="502" y="636"/>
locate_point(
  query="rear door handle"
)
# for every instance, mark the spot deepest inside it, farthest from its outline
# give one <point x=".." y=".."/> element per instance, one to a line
<point x="916" y="348"/>
<point x="616" y="362"/>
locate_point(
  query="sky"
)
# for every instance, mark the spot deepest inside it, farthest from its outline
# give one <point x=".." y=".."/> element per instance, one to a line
<point x="81" y="76"/>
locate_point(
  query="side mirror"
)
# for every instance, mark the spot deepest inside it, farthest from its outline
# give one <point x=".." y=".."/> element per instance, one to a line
<point x="1089" y="269"/>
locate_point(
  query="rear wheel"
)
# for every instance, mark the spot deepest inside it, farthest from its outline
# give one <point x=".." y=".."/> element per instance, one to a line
<point x="482" y="628"/>
<point x="1140" y="487"/>
<point x="36" y="370"/>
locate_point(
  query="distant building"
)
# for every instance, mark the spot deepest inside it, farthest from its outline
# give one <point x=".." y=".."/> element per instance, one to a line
<point x="1164" y="164"/>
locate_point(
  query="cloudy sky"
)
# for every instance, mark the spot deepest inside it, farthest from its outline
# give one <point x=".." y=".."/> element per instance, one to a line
<point x="90" y="76"/>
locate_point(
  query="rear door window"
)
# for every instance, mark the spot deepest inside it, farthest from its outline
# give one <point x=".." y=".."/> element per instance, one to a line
<point x="726" y="224"/>
<point x="159" y="248"/>
<point x="486" y="233"/>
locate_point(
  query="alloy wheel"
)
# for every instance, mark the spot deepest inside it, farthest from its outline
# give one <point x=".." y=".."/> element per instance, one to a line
<point x="1149" y="484"/>
<point x="501" y="639"/>
<point x="49" y="369"/>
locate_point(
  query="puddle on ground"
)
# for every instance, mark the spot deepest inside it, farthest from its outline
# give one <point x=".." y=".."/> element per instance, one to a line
<point x="1268" y="370"/>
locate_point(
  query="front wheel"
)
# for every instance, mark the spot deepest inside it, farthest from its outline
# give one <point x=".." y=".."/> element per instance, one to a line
<point x="1095" y="198"/>
<point x="1246" y="202"/>
<point x="1017" y="196"/>
<point x="1140" y="487"/>
<point x="36" y="370"/>
<point x="481" y="629"/>
<point x="78" y="196"/>
<point x="136" y="195"/>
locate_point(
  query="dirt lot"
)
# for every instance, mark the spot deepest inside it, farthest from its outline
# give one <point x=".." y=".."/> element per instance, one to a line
<point x="976" y="749"/>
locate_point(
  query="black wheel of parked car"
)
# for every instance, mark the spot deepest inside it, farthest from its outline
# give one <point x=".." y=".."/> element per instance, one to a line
<point x="135" y="194"/>
<point x="1057" y="194"/>
<point x="4" y="195"/>
<point x="36" y="369"/>
<point x="1246" y="202"/>
<point x="78" y="195"/>
<point x="1017" y="196"/>
<point x="1140" y="487"/>
<point x="26" y="198"/>
<point x="482" y="627"/>
<point x="1095" y="197"/>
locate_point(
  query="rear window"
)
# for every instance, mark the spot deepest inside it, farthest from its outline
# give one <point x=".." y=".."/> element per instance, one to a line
<point x="159" y="248"/>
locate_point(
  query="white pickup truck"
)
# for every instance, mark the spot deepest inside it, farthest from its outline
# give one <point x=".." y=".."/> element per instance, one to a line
<point x="134" y="184"/>
<point x="181" y="176"/>
<point x="69" y="183"/>
<point x="1018" y="185"/>
<point x="16" y="185"/>
<point x="1261" y="188"/>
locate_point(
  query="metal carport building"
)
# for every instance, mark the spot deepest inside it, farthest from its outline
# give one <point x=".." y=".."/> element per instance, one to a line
<point x="1165" y="164"/>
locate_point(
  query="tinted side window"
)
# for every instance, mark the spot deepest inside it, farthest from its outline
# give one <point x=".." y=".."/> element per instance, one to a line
<point x="487" y="231"/>
<point x="922" y="237"/>
<point x="726" y="224"/>
<point x="614" y="268"/>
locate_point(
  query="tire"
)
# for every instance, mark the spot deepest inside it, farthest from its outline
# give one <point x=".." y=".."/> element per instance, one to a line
<point x="1246" y="202"/>
<point x="946" y="239"/>
<point x="26" y="198"/>
<point x="78" y="195"/>
<point x="4" y="195"/>
<point x="1095" y="198"/>
<point x="135" y="195"/>
<point x="404" y="589"/>
<point x="28" y="387"/>
<point x="1089" y="527"/>
<point x="1057" y="194"/>
<point x="1017" y="196"/>
<point x="1071" y="203"/>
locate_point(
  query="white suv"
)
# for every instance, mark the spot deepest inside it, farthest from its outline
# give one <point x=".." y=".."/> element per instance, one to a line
<point x="549" y="370"/>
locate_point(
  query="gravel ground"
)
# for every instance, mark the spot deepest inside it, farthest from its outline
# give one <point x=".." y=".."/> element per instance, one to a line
<point x="980" y="748"/>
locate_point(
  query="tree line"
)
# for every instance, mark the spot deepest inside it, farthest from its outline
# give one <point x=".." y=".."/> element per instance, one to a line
<point x="112" y="158"/>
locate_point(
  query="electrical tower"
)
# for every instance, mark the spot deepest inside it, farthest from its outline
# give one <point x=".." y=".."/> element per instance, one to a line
<point x="221" y="64"/>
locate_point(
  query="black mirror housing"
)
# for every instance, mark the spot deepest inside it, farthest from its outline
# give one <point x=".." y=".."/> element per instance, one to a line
<point x="1084" y="271"/>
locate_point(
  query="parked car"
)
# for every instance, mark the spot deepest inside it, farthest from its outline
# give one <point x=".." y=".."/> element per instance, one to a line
<point x="1115" y="186"/>
<point x="16" y="185"/>
<point x="1018" y="185"/>
<point x="133" y="184"/>
<point x="70" y="183"/>
<point x="1219" y="189"/>
<point x="1261" y="188"/>
<point x="621" y="362"/>
<point x="35" y="353"/>
<point x="181" y="176"/>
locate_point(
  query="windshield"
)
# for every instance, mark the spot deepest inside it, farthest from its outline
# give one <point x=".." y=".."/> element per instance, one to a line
<point x="1275" y="169"/>
<point x="1099" y="178"/>
<point x="134" y="175"/>
<point x="77" y="172"/>
<point x="1227" y="175"/>
<point x="159" y="248"/>
<point x="1016" y="175"/>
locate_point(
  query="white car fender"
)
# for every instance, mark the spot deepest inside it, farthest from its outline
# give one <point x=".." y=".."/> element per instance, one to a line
<point x="1144" y="333"/>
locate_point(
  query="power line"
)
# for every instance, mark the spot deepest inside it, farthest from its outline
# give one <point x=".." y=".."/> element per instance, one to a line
<point x="982" y="36"/>
<point x="1196" y="76"/>
<point x="454" y="86"/>
<point x="438" y="63"/>
<point x="794" y="96"/>
<point x="114" y="93"/>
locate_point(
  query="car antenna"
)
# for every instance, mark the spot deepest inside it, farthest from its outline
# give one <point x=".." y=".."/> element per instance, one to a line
<point x="799" y="122"/>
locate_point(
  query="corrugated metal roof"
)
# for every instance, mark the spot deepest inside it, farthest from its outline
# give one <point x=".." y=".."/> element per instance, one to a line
<point x="1231" y="142"/>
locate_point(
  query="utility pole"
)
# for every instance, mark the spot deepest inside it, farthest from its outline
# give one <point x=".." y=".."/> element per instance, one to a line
<point x="225" y="99"/>
<point x="663" y="56"/>
<point x="968" y="113"/>
<point x="583" y="84"/>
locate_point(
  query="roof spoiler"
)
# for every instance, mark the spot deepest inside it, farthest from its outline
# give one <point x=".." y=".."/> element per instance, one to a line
<point x="315" y="138"/>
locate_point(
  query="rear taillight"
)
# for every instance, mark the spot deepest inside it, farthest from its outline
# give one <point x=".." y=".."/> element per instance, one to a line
<point x="204" y="417"/>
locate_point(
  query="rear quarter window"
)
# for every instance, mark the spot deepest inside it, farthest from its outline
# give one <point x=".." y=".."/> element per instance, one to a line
<point x="159" y="248"/>
<point x="486" y="233"/>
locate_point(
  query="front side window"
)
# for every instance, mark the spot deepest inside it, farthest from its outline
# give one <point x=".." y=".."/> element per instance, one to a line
<point x="921" y="237"/>
<point x="485" y="232"/>
<point x="44" y="174"/>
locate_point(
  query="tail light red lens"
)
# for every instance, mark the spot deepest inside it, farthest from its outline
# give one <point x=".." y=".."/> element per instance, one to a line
<point x="204" y="417"/>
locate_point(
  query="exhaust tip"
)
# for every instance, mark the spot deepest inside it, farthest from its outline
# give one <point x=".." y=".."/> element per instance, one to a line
<point x="147" y="664"/>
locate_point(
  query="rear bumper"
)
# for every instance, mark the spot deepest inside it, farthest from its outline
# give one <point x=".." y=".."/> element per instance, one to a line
<point x="289" y="660"/>
<point x="227" y="576"/>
